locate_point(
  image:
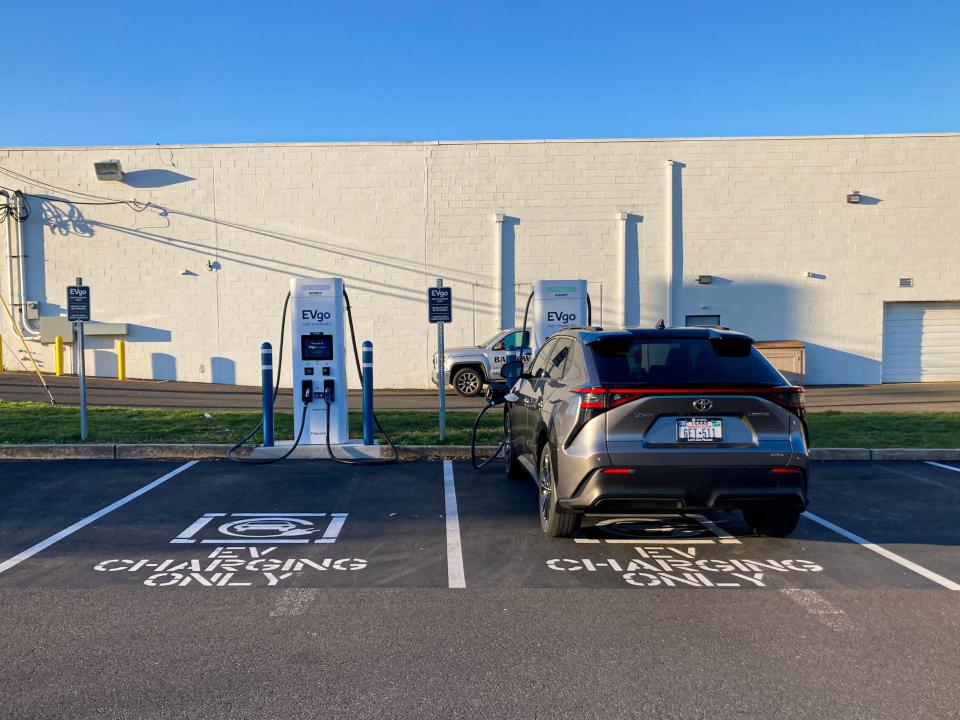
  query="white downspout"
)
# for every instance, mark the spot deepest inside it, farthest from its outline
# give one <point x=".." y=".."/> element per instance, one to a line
<point x="623" y="267"/>
<point x="8" y="222"/>
<point x="670" y="242"/>
<point x="21" y="263"/>
<point x="506" y="276"/>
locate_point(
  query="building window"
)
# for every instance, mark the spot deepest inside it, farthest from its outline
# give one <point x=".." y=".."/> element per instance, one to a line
<point x="703" y="321"/>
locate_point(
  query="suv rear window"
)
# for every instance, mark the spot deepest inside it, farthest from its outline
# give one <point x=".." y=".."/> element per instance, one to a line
<point x="684" y="361"/>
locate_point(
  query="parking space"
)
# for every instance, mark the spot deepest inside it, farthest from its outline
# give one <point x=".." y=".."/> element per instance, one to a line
<point x="39" y="499"/>
<point x="314" y="524"/>
<point x="907" y="508"/>
<point x="225" y="591"/>
<point x="298" y="524"/>
<point x="713" y="551"/>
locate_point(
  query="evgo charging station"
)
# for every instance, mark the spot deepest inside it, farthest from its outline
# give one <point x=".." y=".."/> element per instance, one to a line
<point x="319" y="361"/>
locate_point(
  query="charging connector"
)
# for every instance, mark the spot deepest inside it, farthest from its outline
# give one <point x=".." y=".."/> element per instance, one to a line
<point x="306" y="391"/>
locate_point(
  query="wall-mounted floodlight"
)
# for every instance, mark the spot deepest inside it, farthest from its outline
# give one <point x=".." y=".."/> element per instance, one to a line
<point x="704" y="279"/>
<point x="108" y="170"/>
<point x="854" y="197"/>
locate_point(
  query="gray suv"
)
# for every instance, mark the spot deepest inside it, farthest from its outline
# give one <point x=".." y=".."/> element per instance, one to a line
<point x="620" y="422"/>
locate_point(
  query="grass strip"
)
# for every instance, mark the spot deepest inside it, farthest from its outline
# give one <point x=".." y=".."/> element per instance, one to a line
<point x="25" y="422"/>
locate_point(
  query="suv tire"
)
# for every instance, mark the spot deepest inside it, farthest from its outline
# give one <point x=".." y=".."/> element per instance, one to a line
<point x="512" y="467"/>
<point x="553" y="522"/>
<point x="772" y="523"/>
<point x="467" y="381"/>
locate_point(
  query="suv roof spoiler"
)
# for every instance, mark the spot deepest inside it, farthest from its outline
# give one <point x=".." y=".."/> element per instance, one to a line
<point x="592" y="335"/>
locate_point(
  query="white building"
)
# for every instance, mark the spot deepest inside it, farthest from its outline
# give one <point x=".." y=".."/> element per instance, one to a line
<point x="200" y="275"/>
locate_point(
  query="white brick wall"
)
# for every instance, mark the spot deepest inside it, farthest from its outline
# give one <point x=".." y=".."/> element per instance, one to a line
<point x="757" y="214"/>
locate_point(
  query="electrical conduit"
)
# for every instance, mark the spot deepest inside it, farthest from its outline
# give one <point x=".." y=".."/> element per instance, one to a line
<point x="22" y="290"/>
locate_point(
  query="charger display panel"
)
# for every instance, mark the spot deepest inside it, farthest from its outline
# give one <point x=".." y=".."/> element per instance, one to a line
<point x="316" y="346"/>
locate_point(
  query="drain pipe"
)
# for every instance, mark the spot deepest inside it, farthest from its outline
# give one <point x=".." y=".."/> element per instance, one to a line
<point x="21" y="263"/>
<point x="7" y="223"/>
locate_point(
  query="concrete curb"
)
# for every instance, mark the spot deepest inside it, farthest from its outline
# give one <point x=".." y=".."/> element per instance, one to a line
<point x="914" y="454"/>
<point x="170" y="451"/>
<point x="57" y="452"/>
<point x="840" y="454"/>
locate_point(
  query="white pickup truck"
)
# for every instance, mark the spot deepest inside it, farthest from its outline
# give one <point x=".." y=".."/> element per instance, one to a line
<point x="469" y="368"/>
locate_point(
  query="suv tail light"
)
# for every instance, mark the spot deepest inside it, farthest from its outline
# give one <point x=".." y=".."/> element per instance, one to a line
<point x="592" y="398"/>
<point x="596" y="400"/>
<point x="791" y="398"/>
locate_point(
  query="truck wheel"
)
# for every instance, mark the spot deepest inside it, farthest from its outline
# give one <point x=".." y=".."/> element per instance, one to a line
<point x="772" y="523"/>
<point x="467" y="382"/>
<point x="553" y="522"/>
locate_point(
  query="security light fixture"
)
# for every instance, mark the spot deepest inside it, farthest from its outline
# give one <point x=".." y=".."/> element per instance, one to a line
<point x="854" y="197"/>
<point x="108" y="170"/>
<point x="704" y="279"/>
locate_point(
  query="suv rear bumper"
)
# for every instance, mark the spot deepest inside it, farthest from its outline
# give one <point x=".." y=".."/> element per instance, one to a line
<point x="667" y="489"/>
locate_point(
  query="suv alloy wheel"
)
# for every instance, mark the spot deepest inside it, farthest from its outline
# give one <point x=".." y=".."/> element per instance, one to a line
<point x="553" y="522"/>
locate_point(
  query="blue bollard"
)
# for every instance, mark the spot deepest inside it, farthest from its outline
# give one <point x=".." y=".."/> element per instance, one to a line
<point x="266" y="391"/>
<point x="367" y="381"/>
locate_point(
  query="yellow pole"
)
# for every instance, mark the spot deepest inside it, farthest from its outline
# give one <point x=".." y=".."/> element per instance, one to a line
<point x="58" y="355"/>
<point x="121" y="360"/>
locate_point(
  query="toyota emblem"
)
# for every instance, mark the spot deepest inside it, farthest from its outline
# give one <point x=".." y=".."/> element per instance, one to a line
<point x="703" y="404"/>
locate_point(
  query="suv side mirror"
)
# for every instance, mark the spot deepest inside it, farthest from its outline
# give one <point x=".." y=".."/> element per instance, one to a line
<point x="498" y="346"/>
<point x="513" y="370"/>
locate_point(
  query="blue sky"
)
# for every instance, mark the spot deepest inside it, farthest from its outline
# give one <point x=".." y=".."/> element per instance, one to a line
<point x="96" y="73"/>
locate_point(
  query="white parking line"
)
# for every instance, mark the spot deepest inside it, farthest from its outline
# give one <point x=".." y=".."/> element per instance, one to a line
<point x="941" y="465"/>
<point x="455" y="575"/>
<point x="44" y="544"/>
<point x="910" y="565"/>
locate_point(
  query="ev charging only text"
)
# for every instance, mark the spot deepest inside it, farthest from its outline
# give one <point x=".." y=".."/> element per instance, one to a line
<point x="671" y="566"/>
<point x="228" y="566"/>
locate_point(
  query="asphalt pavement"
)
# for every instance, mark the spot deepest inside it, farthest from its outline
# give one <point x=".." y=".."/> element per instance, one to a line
<point x="137" y="589"/>
<point x="901" y="397"/>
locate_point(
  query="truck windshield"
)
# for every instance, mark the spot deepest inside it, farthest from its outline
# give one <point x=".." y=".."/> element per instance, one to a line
<point x="489" y="341"/>
<point x="693" y="361"/>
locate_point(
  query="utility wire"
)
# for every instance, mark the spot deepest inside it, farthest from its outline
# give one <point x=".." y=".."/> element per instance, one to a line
<point x="134" y="205"/>
<point x="19" y="211"/>
<point x="42" y="183"/>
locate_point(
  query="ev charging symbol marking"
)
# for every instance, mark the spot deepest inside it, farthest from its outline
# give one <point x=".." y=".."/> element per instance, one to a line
<point x="264" y="529"/>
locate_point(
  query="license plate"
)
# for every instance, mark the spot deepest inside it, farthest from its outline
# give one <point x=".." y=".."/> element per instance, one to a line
<point x="699" y="430"/>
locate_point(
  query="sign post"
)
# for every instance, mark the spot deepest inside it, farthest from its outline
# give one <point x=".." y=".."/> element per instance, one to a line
<point x="440" y="311"/>
<point x="78" y="312"/>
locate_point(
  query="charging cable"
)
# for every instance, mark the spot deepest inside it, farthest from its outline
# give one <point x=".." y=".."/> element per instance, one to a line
<point x="495" y="396"/>
<point x="276" y="390"/>
<point x="328" y="400"/>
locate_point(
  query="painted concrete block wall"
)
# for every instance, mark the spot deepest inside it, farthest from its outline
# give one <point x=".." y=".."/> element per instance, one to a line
<point x="756" y="214"/>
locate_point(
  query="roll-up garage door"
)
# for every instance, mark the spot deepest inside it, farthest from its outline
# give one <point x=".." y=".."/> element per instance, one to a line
<point x="921" y="342"/>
